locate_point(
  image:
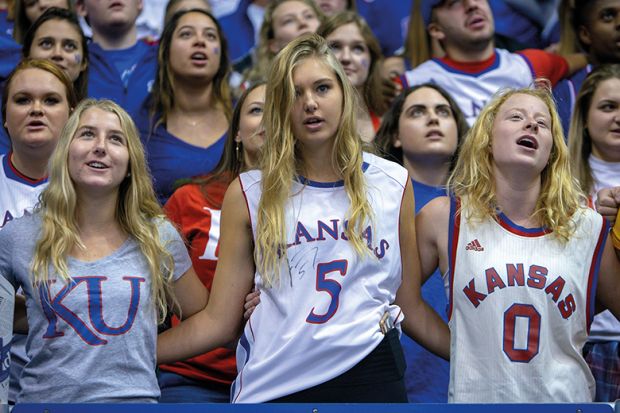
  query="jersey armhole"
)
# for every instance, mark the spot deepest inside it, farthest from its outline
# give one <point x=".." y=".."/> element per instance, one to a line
<point x="453" y="239"/>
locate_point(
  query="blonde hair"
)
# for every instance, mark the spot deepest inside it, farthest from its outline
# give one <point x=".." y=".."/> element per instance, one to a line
<point x="264" y="55"/>
<point x="280" y="162"/>
<point x="579" y="140"/>
<point x="472" y="177"/>
<point x="138" y="212"/>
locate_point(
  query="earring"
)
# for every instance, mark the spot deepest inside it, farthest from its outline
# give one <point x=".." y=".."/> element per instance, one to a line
<point x="237" y="152"/>
<point x="128" y="174"/>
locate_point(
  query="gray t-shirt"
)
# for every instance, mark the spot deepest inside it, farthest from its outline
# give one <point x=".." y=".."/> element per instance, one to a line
<point x="94" y="339"/>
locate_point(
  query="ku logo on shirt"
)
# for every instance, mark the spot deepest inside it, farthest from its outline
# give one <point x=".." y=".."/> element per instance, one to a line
<point x="63" y="309"/>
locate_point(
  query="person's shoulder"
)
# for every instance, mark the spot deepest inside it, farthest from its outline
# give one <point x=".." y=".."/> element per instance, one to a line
<point x="249" y="179"/>
<point x="188" y="191"/>
<point x="165" y="228"/>
<point x="26" y="227"/>
<point x="587" y="215"/>
<point x="440" y="204"/>
<point x="391" y="170"/>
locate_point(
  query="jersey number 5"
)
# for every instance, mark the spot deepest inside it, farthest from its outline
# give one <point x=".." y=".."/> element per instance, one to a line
<point x="525" y="311"/>
<point x="331" y="287"/>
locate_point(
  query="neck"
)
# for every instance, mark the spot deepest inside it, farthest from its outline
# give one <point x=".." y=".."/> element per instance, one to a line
<point x="95" y="213"/>
<point x="250" y="161"/>
<point x="318" y="166"/>
<point x="476" y="53"/>
<point x="517" y="195"/>
<point x="430" y="171"/>
<point x="116" y="40"/>
<point x="34" y="168"/>
<point x="192" y="99"/>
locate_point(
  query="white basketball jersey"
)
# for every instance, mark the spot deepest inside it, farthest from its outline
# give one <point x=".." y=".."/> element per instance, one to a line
<point x="472" y="91"/>
<point x="520" y="307"/>
<point x="322" y="318"/>
<point x="18" y="195"/>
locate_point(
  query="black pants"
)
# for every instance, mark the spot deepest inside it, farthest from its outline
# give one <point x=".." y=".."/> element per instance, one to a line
<point x="378" y="378"/>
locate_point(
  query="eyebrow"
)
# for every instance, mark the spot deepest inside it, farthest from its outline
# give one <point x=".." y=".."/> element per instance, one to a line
<point x="524" y="111"/>
<point x="192" y="27"/>
<point x="118" y="131"/>
<point x="323" y="79"/>
<point x="423" y="105"/>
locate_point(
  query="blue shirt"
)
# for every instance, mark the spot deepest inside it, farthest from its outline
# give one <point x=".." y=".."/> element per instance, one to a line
<point x="427" y="376"/>
<point x="129" y="86"/>
<point x="6" y="26"/>
<point x="565" y="93"/>
<point x="10" y="55"/>
<point x="170" y="158"/>
<point x="388" y="20"/>
<point x="239" y="31"/>
<point x="5" y="141"/>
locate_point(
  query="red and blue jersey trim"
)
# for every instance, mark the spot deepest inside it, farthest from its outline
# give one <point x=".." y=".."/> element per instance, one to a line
<point x="510" y="226"/>
<point x="473" y="69"/>
<point x="305" y="181"/>
<point x="453" y="239"/>
<point x="12" y="173"/>
<point x="593" y="275"/>
<point x="243" y="342"/>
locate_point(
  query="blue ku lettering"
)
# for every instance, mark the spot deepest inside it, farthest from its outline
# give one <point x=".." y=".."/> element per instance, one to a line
<point x="336" y="231"/>
<point x="55" y="309"/>
<point x="515" y="277"/>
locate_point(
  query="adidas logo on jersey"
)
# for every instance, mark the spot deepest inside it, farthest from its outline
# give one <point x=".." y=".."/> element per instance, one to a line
<point x="474" y="246"/>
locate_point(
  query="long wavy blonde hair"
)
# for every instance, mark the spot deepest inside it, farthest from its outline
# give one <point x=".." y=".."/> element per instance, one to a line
<point x="137" y="212"/>
<point x="473" y="175"/>
<point x="281" y="163"/>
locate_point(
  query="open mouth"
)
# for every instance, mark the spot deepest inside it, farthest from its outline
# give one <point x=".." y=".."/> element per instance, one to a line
<point x="97" y="165"/>
<point x="36" y="123"/>
<point x="199" y="56"/>
<point x="476" y="21"/>
<point x="528" y="142"/>
<point x="434" y="134"/>
<point x="312" y="121"/>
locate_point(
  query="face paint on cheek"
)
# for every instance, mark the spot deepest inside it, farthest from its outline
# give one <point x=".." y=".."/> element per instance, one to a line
<point x="365" y="63"/>
<point x="216" y="50"/>
<point x="78" y="58"/>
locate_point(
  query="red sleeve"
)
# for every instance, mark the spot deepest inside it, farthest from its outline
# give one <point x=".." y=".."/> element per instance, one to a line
<point x="546" y="65"/>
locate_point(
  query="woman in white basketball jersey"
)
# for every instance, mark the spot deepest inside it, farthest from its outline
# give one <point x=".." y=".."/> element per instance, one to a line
<point x="524" y="262"/>
<point x="595" y="156"/>
<point x="315" y="230"/>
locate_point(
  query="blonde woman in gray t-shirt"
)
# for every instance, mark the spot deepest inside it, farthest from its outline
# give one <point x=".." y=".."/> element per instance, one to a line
<point x="99" y="265"/>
